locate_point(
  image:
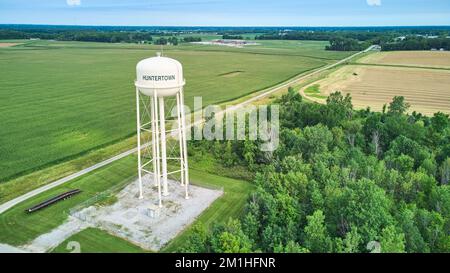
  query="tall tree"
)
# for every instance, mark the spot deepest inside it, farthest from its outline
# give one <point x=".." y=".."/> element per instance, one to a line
<point x="392" y="241"/>
<point x="439" y="122"/>
<point x="339" y="108"/>
<point x="197" y="242"/>
<point x="230" y="239"/>
<point x="350" y="244"/>
<point x="316" y="235"/>
<point x="445" y="171"/>
<point x="315" y="140"/>
<point x="398" y="105"/>
<point x="364" y="205"/>
<point x="291" y="247"/>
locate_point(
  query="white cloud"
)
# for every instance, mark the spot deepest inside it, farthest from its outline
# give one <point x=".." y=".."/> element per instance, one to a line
<point x="374" y="2"/>
<point x="73" y="3"/>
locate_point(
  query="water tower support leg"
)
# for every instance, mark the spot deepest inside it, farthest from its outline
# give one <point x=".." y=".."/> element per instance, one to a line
<point x="180" y="139"/>
<point x="162" y="120"/>
<point x="158" y="158"/>
<point x="138" y="122"/>
<point x="183" y="128"/>
<point x="154" y="143"/>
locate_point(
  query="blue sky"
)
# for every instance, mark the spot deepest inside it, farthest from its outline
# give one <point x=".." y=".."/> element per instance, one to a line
<point x="227" y="12"/>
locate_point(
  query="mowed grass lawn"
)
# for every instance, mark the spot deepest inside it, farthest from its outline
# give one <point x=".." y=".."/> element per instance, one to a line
<point x="59" y="100"/>
<point x="94" y="240"/>
<point x="18" y="228"/>
<point x="230" y="204"/>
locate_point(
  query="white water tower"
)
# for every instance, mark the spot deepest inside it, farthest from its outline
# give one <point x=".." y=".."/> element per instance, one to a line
<point x="160" y="78"/>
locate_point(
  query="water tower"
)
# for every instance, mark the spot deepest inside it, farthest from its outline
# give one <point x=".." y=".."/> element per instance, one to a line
<point x="160" y="79"/>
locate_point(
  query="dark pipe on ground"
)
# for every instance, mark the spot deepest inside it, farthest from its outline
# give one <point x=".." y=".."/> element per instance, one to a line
<point x="53" y="200"/>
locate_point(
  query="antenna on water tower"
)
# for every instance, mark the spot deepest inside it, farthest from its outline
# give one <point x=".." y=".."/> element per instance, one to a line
<point x="159" y="78"/>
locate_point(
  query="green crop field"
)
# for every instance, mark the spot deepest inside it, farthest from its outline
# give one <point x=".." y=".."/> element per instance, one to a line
<point x="59" y="100"/>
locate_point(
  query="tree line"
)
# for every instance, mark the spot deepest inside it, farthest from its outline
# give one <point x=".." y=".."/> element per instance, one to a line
<point x="232" y="37"/>
<point x="175" y="41"/>
<point x="339" y="40"/>
<point x="95" y="36"/>
<point x="346" y="44"/>
<point x="321" y="35"/>
<point x="417" y="43"/>
<point x="78" y="35"/>
<point x="413" y="39"/>
<point x="341" y="181"/>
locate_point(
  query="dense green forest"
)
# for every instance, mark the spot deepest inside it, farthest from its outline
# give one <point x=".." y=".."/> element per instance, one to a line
<point x="340" y="181"/>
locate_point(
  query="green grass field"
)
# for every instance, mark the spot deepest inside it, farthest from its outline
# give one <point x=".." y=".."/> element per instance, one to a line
<point x="314" y="91"/>
<point x="229" y="205"/>
<point x="60" y="100"/>
<point x="18" y="228"/>
<point x="94" y="240"/>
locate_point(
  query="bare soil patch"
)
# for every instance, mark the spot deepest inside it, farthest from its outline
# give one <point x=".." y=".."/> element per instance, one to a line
<point x="8" y="44"/>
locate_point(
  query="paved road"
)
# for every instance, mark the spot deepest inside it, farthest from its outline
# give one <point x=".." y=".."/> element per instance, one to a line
<point x="10" y="249"/>
<point x="6" y="206"/>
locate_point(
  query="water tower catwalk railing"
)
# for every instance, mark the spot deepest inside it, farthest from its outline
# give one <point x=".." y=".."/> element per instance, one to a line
<point x="151" y="98"/>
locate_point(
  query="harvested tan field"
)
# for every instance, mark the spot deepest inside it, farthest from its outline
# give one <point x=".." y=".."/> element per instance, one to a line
<point x="8" y="44"/>
<point x="410" y="58"/>
<point x="427" y="90"/>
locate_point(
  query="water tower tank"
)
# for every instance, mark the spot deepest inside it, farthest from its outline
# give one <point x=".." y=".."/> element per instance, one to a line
<point x="161" y="74"/>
